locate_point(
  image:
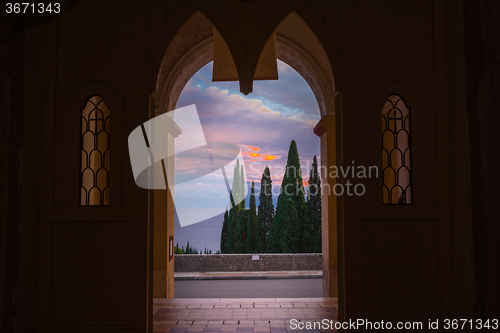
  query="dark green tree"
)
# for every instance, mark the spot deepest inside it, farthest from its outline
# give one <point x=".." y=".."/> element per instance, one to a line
<point x="252" y="222"/>
<point x="177" y="249"/>
<point x="240" y="237"/>
<point x="292" y="230"/>
<point x="236" y="188"/>
<point x="312" y="219"/>
<point x="189" y="250"/>
<point x="230" y="230"/>
<point x="242" y="188"/>
<point x="273" y="241"/>
<point x="223" y="234"/>
<point x="233" y="211"/>
<point x="265" y="213"/>
<point x="291" y="188"/>
<point x="241" y="224"/>
<point x="286" y="230"/>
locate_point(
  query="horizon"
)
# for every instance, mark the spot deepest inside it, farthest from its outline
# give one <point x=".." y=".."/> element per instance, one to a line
<point x="263" y="124"/>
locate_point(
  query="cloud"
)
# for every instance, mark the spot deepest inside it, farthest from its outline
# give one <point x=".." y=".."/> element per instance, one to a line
<point x="260" y="157"/>
<point x="250" y="152"/>
<point x="263" y="123"/>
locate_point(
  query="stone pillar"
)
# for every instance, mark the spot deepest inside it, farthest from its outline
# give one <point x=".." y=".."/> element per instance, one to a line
<point x="325" y="129"/>
<point x="163" y="264"/>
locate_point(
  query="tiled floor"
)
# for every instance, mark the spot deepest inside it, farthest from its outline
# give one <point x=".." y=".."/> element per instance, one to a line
<point x="266" y="315"/>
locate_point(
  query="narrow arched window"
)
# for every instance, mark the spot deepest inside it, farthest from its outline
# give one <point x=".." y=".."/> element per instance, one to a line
<point x="95" y="153"/>
<point x="396" y="166"/>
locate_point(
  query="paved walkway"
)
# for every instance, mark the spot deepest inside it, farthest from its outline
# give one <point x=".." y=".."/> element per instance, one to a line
<point x="227" y="315"/>
<point x="251" y="288"/>
<point x="180" y="276"/>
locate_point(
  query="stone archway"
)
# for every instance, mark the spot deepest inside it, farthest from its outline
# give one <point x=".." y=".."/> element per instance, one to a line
<point x="175" y="73"/>
<point x="185" y="56"/>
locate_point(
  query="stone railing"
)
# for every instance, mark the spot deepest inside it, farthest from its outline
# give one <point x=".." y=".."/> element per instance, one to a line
<point x="247" y="262"/>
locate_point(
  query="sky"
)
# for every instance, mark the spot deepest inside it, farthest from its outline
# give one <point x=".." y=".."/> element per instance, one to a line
<point x="262" y="123"/>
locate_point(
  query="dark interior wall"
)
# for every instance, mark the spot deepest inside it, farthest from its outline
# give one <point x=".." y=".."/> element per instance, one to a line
<point x="482" y="45"/>
<point x="29" y="180"/>
<point x="20" y="113"/>
<point x="11" y="125"/>
<point x="21" y="56"/>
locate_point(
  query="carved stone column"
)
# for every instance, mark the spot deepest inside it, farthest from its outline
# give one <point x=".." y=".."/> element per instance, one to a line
<point x="326" y="130"/>
<point x="163" y="265"/>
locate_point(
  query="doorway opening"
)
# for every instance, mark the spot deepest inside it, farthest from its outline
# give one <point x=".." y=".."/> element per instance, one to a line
<point x="271" y="126"/>
<point x="191" y="52"/>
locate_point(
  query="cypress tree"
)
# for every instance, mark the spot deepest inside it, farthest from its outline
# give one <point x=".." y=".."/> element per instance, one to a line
<point x="223" y="234"/>
<point x="239" y="242"/>
<point x="240" y="235"/>
<point x="229" y="237"/>
<point x="273" y="241"/>
<point x="291" y="188"/>
<point x="233" y="212"/>
<point x="236" y="188"/>
<point x="242" y="188"/>
<point x="252" y="222"/>
<point x="265" y="213"/>
<point x="312" y="220"/>
<point x="240" y="220"/>
<point x="287" y="222"/>
<point x="292" y="234"/>
<point x="233" y="220"/>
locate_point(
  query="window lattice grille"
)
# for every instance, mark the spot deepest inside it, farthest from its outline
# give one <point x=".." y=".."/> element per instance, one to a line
<point x="95" y="153"/>
<point x="396" y="170"/>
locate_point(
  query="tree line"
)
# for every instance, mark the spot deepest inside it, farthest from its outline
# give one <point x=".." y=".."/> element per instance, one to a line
<point x="295" y="225"/>
<point x="190" y="250"/>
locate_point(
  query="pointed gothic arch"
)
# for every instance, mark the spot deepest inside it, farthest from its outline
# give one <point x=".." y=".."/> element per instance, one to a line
<point x="305" y="54"/>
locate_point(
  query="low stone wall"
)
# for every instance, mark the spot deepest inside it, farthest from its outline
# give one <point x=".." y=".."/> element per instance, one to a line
<point x="245" y="262"/>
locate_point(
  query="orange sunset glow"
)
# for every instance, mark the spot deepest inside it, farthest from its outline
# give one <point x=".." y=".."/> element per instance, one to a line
<point x="264" y="157"/>
<point x="262" y="124"/>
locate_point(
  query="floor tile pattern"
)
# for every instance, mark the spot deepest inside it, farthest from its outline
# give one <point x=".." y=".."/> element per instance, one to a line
<point x="230" y="315"/>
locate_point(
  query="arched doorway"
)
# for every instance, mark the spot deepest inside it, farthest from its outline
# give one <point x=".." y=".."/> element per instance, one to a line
<point x="190" y="50"/>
